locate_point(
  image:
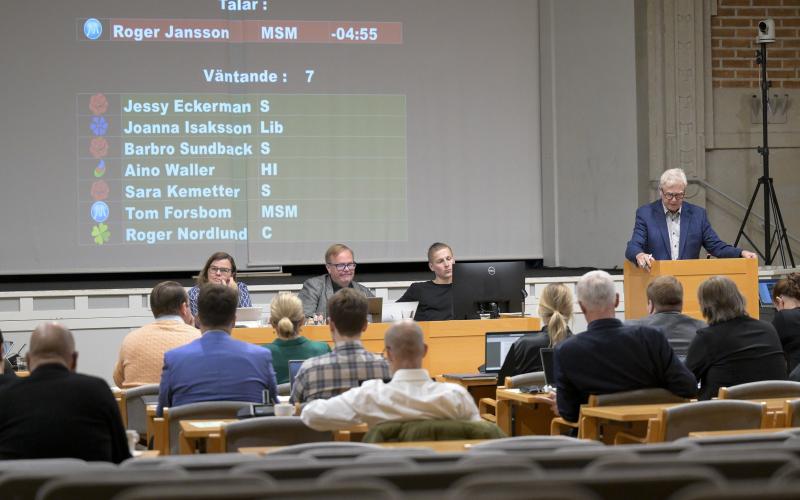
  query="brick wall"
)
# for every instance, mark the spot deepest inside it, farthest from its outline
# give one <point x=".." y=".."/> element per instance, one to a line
<point x="733" y="43"/>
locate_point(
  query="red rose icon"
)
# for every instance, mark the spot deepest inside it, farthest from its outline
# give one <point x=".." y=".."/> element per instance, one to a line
<point x="99" y="190"/>
<point x="98" y="104"/>
<point x="98" y="147"/>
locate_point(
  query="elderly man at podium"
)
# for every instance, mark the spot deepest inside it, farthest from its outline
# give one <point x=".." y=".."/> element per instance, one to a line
<point x="669" y="229"/>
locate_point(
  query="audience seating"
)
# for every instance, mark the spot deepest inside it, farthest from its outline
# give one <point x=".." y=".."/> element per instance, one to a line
<point x="97" y="487"/>
<point x="269" y="431"/>
<point x="133" y="405"/>
<point x="740" y="491"/>
<point x="638" y="396"/>
<point x="195" y="411"/>
<point x="653" y="485"/>
<point x="298" y="449"/>
<point x="312" y="469"/>
<point x="363" y="490"/>
<point x="21" y="479"/>
<point x="432" y="430"/>
<point x="761" y="389"/>
<point x="193" y="463"/>
<point x="678" y="421"/>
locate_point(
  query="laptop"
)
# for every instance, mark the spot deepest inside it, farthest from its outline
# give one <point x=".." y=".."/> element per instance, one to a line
<point x="7" y="345"/>
<point x="765" y="292"/>
<point x="294" y="367"/>
<point x="248" y="317"/>
<point x="546" y="355"/>
<point x="396" y="311"/>
<point x="497" y="345"/>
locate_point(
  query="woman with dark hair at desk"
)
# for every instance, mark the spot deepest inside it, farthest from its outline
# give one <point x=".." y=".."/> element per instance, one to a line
<point x="734" y="348"/>
<point x="555" y="309"/>
<point x="786" y="297"/>
<point x="220" y="268"/>
<point x="435" y="297"/>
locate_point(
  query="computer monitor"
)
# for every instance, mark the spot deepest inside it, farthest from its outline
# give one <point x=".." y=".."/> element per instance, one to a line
<point x="487" y="287"/>
<point x="496" y="348"/>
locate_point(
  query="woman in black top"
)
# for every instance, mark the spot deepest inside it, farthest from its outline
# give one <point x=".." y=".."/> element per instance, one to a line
<point x="786" y="297"/>
<point x="555" y="309"/>
<point x="435" y="297"/>
<point x="734" y="348"/>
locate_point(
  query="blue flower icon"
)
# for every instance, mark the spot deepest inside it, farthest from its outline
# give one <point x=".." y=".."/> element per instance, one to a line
<point x="92" y="28"/>
<point x="99" y="125"/>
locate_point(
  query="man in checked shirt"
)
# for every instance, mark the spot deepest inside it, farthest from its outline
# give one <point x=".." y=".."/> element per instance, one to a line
<point x="349" y="364"/>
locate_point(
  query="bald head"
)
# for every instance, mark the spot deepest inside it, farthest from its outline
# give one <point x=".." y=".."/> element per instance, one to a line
<point x="51" y="343"/>
<point x="405" y="345"/>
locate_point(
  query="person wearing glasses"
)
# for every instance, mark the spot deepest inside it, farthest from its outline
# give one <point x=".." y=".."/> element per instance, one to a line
<point x="317" y="290"/>
<point x="220" y="269"/>
<point x="669" y="229"/>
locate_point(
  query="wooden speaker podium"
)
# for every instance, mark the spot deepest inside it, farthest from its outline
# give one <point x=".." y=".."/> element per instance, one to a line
<point x="743" y="272"/>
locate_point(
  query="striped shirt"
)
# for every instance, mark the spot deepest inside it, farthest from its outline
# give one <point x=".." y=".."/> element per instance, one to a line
<point x="331" y="374"/>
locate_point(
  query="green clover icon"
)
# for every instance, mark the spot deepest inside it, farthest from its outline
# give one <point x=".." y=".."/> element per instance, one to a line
<point x="100" y="233"/>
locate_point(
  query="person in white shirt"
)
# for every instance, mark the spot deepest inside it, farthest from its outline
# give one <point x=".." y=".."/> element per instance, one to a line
<point x="410" y="395"/>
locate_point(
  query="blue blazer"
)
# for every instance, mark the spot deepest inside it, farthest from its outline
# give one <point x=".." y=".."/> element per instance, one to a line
<point x="216" y="367"/>
<point x="650" y="234"/>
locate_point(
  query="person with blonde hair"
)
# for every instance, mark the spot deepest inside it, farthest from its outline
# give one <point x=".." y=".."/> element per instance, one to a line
<point x="287" y="318"/>
<point x="555" y="309"/>
<point x="734" y="348"/>
<point x="786" y="297"/>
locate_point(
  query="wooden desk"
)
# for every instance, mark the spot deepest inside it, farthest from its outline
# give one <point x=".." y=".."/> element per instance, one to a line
<point x="739" y="432"/>
<point x="459" y="445"/>
<point x="478" y="387"/>
<point x="534" y="412"/>
<point x="593" y="416"/>
<point x="453" y="346"/>
<point x="195" y="431"/>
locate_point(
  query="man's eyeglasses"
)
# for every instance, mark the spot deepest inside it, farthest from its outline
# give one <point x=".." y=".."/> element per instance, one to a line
<point x="673" y="196"/>
<point x="344" y="266"/>
<point x="220" y="270"/>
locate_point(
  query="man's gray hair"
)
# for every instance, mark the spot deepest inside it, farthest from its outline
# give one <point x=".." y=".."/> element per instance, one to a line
<point x="673" y="176"/>
<point x="596" y="291"/>
<point x="720" y="300"/>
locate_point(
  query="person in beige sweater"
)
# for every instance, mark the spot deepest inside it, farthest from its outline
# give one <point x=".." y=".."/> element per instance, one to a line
<point x="142" y="354"/>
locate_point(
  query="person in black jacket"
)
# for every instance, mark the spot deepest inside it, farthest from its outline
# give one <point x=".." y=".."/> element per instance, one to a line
<point x="435" y="297"/>
<point x="555" y="309"/>
<point x="786" y="297"/>
<point x="57" y="413"/>
<point x="611" y="357"/>
<point x="735" y="348"/>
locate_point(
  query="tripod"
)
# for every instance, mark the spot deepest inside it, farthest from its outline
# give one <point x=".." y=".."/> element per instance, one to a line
<point x="771" y="207"/>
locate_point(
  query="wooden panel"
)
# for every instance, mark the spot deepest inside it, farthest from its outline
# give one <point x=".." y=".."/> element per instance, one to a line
<point x="743" y="272"/>
<point x="453" y="346"/>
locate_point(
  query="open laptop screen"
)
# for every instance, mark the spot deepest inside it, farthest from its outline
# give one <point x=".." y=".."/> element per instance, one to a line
<point x="546" y="354"/>
<point x="294" y="367"/>
<point x="496" y="349"/>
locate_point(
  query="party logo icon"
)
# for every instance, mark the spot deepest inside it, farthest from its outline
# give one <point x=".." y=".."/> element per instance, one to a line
<point x="99" y="190"/>
<point x="99" y="211"/>
<point x="98" y="125"/>
<point x="98" y="104"/>
<point x="98" y="147"/>
<point x="100" y="233"/>
<point x="92" y="28"/>
<point x="100" y="169"/>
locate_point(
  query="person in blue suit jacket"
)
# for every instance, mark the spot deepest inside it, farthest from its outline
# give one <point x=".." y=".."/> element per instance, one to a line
<point x="216" y="367"/>
<point x="669" y="229"/>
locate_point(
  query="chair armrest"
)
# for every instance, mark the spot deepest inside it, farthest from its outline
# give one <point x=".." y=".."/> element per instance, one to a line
<point x="558" y="426"/>
<point x="487" y="408"/>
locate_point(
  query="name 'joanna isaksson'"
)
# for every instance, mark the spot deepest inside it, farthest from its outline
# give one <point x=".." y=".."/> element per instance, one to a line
<point x="197" y="128"/>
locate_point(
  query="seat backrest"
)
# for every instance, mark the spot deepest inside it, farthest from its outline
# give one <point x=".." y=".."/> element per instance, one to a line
<point x="364" y="490"/>
<point x="198" y="411"/>
<point x="650" y="395"/>
<point x="523" y="379"/>
<point x="136" y="401"/>
<point x="761" y="389"/>
<point x="432" y="430"/>
<point x="716" y="415"/>
<point x="270" y="431"/>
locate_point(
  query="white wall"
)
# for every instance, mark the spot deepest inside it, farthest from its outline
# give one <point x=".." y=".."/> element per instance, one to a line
<point x="589" y="136"/>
